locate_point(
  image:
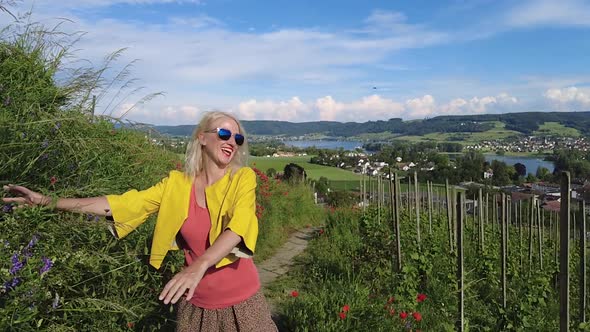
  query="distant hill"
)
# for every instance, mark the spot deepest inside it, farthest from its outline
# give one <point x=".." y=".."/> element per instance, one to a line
<point x="526" y="123"/>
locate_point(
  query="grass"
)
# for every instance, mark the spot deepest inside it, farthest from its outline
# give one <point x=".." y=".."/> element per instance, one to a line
<point x="339" y="179"/>
<point x="349" y="265"/>
<point x="313" y="171"/>
<point x="557" y="129"/>
<point x="498" y="132"/>
<point x="376" y="136"/>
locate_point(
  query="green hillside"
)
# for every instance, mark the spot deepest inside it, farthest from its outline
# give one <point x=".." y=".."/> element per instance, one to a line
<point x="498" y="131"/>
<point x="491" y="126"/>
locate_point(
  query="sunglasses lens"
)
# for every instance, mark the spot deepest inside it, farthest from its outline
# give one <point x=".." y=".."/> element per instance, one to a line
<point x="239" y="139"/>
<point x="224" y="134"/>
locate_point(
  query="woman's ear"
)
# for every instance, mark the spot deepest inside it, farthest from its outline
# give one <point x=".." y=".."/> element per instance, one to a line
<point x="201" y="138"/>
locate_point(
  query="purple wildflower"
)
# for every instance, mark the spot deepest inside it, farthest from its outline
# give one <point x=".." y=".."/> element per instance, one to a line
<point x="6" y="102"/>
<point x="44" y="157"/>
<point x="45" y="144"/>
<point x="7" y="208"/>
<point x="11" y="284"/>
<point x="33" y="241"/>
<point x="17" y="265"/>
<point x="14" y="259"/>
<point x="47" y="264"/>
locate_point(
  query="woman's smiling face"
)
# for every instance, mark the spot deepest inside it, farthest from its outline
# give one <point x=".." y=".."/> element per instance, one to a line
<point x="217" y="150"/>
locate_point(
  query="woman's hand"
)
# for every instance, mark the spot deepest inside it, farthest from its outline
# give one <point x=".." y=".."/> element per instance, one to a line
<point x="183" y="281"/>
<point x="189" y="278"/>
<point x="25" y="196"/>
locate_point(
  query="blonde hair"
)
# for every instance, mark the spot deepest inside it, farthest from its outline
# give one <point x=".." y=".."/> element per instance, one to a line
<point x="194" y="152"/>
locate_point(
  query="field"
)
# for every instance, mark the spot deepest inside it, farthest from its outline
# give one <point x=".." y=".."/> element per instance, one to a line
<point x="339" y="179"/>
<point x="557" y="129"/>
<point x="348" y="281"/>
<point x="498" y="132"/>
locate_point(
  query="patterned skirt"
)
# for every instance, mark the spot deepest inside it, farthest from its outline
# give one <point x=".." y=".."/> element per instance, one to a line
<point x="250" y="315"/>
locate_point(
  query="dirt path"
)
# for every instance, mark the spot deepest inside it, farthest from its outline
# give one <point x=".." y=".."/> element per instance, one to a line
<point x="282" y="260"/>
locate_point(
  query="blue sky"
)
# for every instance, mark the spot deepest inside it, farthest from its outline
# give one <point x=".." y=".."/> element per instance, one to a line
<point x="336" y="60"/>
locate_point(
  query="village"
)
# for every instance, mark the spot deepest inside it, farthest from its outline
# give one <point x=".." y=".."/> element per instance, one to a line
<point x="532" y="144"/>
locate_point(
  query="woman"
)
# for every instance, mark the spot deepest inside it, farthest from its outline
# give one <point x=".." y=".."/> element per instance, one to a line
<point x="210" y="209"/>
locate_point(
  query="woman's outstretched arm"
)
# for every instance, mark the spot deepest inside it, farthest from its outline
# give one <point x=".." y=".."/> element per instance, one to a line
<point x="93" y="205"/>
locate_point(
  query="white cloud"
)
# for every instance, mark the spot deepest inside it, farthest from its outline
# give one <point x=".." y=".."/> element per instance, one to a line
<point x="172" y="114"/>
<point x="292" y="110"/>
<point x="373" y="107"/>
<point x="501" y="103"/>
<point x="550" y="12"/>
<point x="568" y="99"/>
<point x="419" y="108"/>
<point x="106" y="3"/>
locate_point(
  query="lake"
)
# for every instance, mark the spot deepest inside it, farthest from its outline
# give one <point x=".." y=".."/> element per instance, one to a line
<point x="321" y="144"/>
<point x="531" y="163"/>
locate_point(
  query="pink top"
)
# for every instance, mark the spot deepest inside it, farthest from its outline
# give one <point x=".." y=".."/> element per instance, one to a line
<point x="219" y="288"/>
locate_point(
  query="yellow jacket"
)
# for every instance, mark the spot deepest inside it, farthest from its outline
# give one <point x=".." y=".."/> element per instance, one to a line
<point x="231" y="202"/>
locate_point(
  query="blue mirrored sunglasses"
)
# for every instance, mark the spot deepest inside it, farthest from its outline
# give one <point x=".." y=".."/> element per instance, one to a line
<point x="225" y="134"/>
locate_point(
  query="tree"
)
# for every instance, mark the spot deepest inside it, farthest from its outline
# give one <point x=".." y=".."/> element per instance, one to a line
<point x="294" y="173"/>
<point x="542" y="173"/>
<point x="321" y="185"/>
<point x="502" y="173"/>
<point x="271" y="172"/>
<point x="520" y="169"/>
<point x="531" y="178"/>
<point x="470" y="166"/>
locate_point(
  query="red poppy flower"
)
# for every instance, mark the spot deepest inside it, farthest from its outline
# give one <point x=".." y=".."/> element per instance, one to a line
<point x="53" y="180"/>
<point x="392" y="312"/>
<point x="421" y="297"/>
<point x="390" y="300"/>
<point x="346" y="308"/>
<point x="417" y="316"/>
<point x="321" y="231"/>
<point x="130" y="325"/>
<point x="342" y="315"/>
<point x="403" y="315"/>
<point x="294" y="293"/>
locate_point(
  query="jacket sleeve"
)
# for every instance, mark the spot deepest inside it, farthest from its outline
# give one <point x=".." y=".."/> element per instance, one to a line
<point x="243" y="220"/>
<point x="132" y="208"/>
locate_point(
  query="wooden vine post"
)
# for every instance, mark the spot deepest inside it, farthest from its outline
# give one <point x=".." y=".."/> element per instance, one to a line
<point x="481" y="222"/>
<point x="417" y="204"/>
<point x="449" y="215"/>
<point x="582" y="218"/>
<point x="531" y="215"/>
<point x="397" y="194"/>
<point x="429" y="193"/>
<point x="460" y="267"/>
<point x="564" y="253"/>
<point x="539" y="233"/>
<point x="503" y="229"/>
